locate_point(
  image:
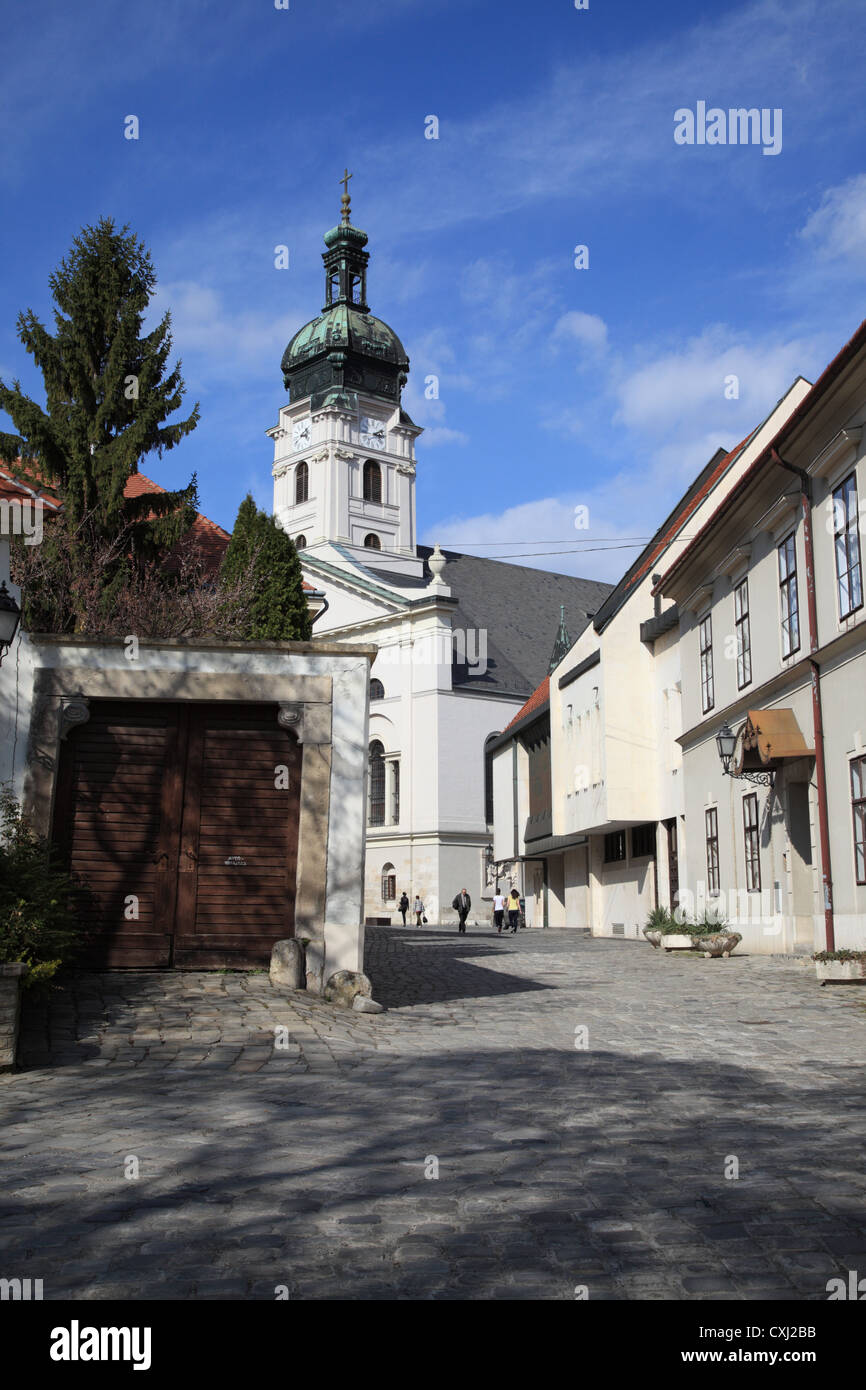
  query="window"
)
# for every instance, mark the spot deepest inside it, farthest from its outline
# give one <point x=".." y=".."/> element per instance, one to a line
<point x="711" y="824"/>
<point x="858" y="806"/>
<point x="302" y="483"/>
<point x="376" y="815"/>
<point x="389" y="883"/>
<point x="849" y="580"/>
<point x="372" y="542"/>
<point x="488" y="779"/>
<point x="751" y="834"/>
<point x="356" y="293"/>
<point x="789" y="603"/>
<point x="395" y="792"/>
<point x="708" y="697"/>
<point x="377" y="690"/>
<point x="372" y="482"/>
<point x="744" y="636"/>
<point x="300" y="542"/>
<point x="614" y="847"/>
<point x="334" y="287"/>
<point x="643" y="841"/>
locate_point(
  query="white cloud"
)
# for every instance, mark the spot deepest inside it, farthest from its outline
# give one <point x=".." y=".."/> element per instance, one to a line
<point x="837" y="228"/>
<point x="441" y="434"/>
<point x="232" y="341"/>
<point x="587" y="329"/>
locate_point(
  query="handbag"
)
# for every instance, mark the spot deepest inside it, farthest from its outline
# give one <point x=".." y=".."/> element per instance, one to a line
<point x="423" y="920"/>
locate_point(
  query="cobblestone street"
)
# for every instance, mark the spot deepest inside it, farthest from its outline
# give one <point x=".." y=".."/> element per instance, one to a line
<point x="312" y="1164"/>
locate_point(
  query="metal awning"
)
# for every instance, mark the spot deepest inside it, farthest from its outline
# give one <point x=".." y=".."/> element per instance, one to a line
<point x="768" y="738"/>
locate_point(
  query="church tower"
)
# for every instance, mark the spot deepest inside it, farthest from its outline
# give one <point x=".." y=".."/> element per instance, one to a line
<point x="344" y="449"/>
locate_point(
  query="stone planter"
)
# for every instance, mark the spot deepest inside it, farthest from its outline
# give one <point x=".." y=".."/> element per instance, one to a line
<point x="722" y="943"/>
<point x="11" y="979"/>
<point x="846" y="971"/>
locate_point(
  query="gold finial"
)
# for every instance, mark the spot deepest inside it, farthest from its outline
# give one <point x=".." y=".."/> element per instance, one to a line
<point x="346" y="198"/>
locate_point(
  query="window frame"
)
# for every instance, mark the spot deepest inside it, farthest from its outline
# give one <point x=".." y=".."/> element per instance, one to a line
<point x="377" y="795"/>
<point x="302" y="483"/>
<point x="743" y="630"/>
<point x="619" y="837"/>
<point x="711" y="839"/>
<point x="372" y="491"/>
<point x="371" y="536"/>
<point x="789" y="607"/>
<point x="850" y="531"/>
<point x="705" y="648"/>
<point x="638" y="832"/>
<point x="752" y="842"/>
<point x="388" y="880"/>
<point x="858" y="817"/>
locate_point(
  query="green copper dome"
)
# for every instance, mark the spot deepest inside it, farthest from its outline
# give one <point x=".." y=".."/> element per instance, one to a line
<point x="345" y="328"/>
<point x="345" y="349"/>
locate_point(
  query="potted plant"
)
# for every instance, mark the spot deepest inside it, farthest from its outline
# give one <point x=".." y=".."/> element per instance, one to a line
<point x="37" y="926"/>
<point x="708" y="934"/>
<point x="846" y="966"/>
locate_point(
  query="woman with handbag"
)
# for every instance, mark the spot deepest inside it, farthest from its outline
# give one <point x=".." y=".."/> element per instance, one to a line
<point x="513" y="907"/>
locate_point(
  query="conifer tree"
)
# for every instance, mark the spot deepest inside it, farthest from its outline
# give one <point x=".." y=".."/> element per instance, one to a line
<point x="277" y="610"/>
<point x="109" y="393"/>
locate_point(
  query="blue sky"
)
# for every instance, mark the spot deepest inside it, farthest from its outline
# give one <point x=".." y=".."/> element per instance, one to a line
<point x="559" y="387"/>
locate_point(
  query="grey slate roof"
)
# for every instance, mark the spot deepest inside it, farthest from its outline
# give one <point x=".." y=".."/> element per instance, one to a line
<point x="517" y="606"/>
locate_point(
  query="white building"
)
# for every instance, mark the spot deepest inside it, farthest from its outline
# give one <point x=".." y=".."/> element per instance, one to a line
<point x="589" y="780"/>
<point x="461" y="641"/>
<point x="773" y="648"/>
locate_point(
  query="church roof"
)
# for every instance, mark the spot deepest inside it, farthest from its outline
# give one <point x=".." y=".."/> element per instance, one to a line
<point x="345" y="328"/>
<point x="516" y="605"/>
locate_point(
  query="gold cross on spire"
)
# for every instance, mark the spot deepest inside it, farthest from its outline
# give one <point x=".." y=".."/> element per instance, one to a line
<point x="346" y="199"/>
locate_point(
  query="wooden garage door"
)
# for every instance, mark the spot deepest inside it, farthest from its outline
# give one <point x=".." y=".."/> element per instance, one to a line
<point x="182" y="823"/>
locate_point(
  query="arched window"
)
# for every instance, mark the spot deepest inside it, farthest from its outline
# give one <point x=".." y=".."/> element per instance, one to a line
<point x="372" y="482"/>
<point x="302" y="483"/>
<point x="377" y="690"/>
<point x="376" y="814"/>
<point x="300" y="542"/>
<point x="389" y="883"/>
<point x="488" y="779"/>
<point x="372" y="542"/>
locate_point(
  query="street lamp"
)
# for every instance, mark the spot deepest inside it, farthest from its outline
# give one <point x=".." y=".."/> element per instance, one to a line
<point x="10" y="617"/>
<point x="726" y="742"/>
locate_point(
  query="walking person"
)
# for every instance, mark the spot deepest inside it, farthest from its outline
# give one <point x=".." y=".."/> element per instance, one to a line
<point x="498" y="912"/>
<point x="461" y="905"/>
<point x="514" y="910"/>
<point x="418" y="909"/>
<point x="403" y="906"/>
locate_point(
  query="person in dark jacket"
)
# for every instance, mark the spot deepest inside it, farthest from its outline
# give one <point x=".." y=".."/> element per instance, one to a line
<point x="461" y="904"/>
<point x="403" y="906"/>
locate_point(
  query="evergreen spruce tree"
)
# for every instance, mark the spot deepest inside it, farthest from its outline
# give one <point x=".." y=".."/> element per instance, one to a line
<point x="260" y="548"/>
<point x="109" y="393"/>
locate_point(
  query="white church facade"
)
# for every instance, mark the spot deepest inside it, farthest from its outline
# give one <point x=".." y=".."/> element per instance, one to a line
<point x="462" y="641"/>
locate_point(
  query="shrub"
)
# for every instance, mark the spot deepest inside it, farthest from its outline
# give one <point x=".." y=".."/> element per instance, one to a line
<point x="660" y="919"/>
<point x="37" y="924"/>
<point x="842" y="955"/>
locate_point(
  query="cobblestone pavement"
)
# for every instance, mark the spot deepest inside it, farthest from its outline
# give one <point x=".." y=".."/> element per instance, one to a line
<point x="312" y="1165"/>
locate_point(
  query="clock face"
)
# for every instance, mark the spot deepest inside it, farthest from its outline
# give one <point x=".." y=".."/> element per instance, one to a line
<point x="372" y="433"/>
<point x="302" y="433"/>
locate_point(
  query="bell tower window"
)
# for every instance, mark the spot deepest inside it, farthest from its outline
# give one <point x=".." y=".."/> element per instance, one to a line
<point x="334" y="287"/>
<point x="300" y="542"/>
<point x="372" y="542"/>
<point x="302" y="484"/>
<point x="372" y="482"/>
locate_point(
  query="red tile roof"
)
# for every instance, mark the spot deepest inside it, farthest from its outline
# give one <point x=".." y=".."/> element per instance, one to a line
<point x="209" y="539"/>
<point x="536" y="701"/>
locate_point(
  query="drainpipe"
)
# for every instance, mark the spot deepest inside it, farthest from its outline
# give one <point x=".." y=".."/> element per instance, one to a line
<point x="817" y="715"/>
